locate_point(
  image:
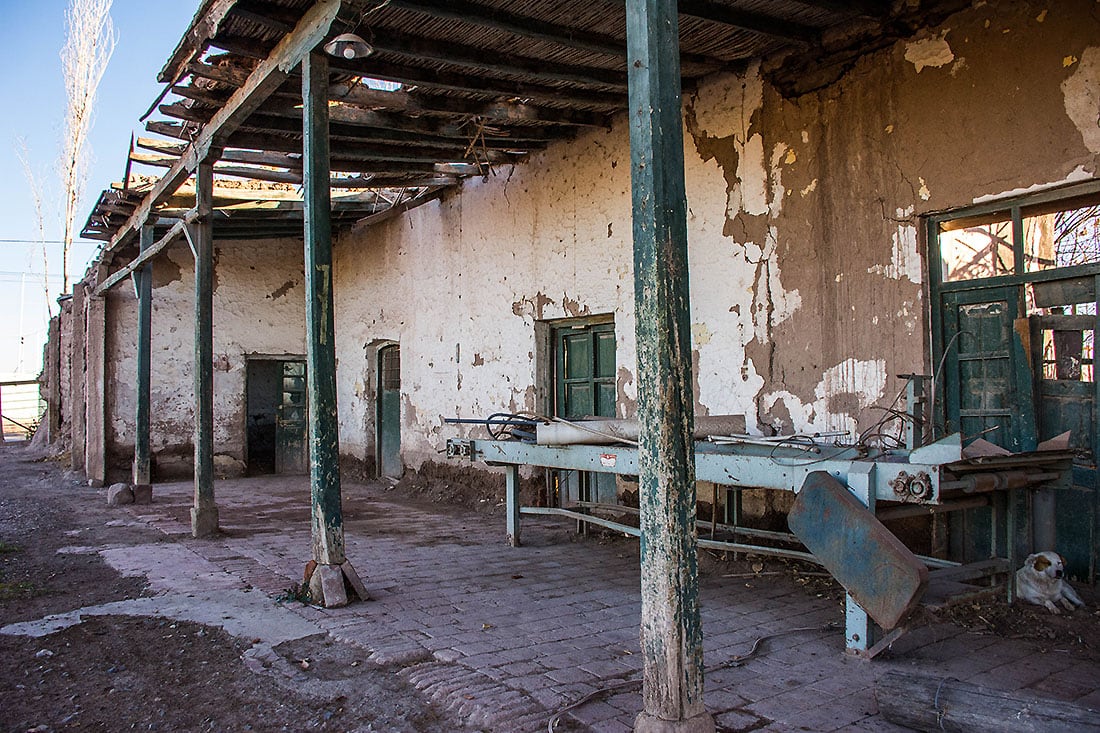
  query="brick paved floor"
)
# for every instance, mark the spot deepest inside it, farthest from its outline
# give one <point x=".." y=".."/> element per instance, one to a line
<point x="507" y="636"/>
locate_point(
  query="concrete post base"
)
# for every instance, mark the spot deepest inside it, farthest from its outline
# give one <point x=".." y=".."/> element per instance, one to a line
<point x="329" y="584"/>
<point x="143" y="494"/>
<point x="204" y="521"/>
<point x="646" y="723"/>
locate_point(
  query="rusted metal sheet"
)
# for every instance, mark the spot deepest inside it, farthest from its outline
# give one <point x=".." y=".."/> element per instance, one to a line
<point x="873" y="565"/>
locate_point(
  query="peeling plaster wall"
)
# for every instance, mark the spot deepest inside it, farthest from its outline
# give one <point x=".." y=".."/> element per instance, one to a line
<point x="259" y="308"/>
<point x="459" y="284"/>
<point x="808" y="270"/>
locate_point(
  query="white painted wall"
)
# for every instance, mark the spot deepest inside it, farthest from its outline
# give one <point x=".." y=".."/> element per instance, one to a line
<point x="259" y="308"/>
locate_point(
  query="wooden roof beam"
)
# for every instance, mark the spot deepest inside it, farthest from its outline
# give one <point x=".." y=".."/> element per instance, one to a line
<point x="293" y="161"/>
<point x="859" y="8"/>
<point x="391" y="152"/>
<point x="203" y="26"/>
<point x="267" y="77"/>
<point x="293" y="174"/>
<point x="479" y="59"/>
<point x="449" y="80"/>
<point x="748" y="20"/>
<point x="356" y="125"/>
<point x="274" y="17"/>
<point x="462" y="82"/>
<point x="424" y="126"/>
<point x="502" y="20"/>
<point x="400" y="100"/>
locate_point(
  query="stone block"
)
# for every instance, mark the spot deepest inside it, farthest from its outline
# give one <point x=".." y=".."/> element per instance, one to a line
<point x="118" y="494"/>
<point x="332" y="585"/>
<point x="143" y="493"/>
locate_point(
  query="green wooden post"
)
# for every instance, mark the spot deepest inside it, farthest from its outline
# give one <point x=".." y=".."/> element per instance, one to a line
<point x="324" y="448"/>
<point x="671" y="632"/>
<point x="204" y="514"/>
<point x="143" y="284"/>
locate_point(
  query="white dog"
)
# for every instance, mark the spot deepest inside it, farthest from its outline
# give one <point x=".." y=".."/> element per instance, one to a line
<point x="1040" y="582"/>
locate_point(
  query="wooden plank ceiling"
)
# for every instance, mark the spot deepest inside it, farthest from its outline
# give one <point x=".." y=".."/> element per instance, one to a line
<point x="451" y="89"/>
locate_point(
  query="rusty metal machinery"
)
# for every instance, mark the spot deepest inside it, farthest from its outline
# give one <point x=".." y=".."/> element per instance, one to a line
<point x="886" y="483"/>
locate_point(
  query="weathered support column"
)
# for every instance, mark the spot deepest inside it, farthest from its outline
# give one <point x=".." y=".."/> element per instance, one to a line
<point x="327" y="584"/>
<point x="143" y="286"/>
<point x="52" y="374"/>
<point x="76" y="379"/>
<point x="671" y="633"/>
<point x="204" y="513"/>
<point x="95" y="416"/>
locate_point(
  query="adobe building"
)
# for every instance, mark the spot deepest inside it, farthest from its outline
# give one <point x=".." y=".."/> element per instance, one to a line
<point x="868" y="191"/>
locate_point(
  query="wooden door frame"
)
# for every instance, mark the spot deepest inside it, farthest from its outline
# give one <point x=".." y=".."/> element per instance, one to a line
<point x="258" y="356"/>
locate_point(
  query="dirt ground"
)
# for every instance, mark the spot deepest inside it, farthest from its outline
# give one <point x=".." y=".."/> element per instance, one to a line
<point x="116" y="673"/>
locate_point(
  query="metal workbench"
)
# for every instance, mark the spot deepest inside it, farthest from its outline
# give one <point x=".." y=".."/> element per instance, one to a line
<point x="932" y="478"/>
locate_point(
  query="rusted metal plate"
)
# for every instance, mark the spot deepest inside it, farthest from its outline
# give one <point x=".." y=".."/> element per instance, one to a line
<point x="876" y="569"/>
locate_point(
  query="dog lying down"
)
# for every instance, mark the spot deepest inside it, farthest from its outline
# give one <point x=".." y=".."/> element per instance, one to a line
<point x="1040" y="582"/>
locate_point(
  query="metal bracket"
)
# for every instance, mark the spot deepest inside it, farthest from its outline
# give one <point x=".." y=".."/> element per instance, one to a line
<point x="915" y="488"/>
<point x="460" y="449"/>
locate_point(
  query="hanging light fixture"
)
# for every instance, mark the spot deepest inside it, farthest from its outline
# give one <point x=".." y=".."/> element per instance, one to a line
<point x="349" y="46"/>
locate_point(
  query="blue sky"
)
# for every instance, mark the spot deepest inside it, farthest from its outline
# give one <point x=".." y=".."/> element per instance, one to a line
<point x="32" y="89"/>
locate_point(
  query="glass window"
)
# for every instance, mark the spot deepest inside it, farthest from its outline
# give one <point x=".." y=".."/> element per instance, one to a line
<point x="1062" y="238"/>
<point x="972" y="249"/>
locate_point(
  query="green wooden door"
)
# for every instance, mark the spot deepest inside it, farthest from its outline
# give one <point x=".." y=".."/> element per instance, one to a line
<point x="987" y="386"/>
<point x="585" y="387"/>
<point x="291" y="454"/>
<point x="986" y="374"/>
<point x="388" y="437"/>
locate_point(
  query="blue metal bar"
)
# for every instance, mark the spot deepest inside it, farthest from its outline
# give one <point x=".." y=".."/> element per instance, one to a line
<point x="747" y="466"/>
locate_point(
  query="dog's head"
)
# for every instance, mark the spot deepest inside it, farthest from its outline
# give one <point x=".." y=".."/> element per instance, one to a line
<point x="1049" y="564"/>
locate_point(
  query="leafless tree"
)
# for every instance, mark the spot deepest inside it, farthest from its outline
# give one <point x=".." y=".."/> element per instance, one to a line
<point x="34" y="185"/>
<point x="89" y="43"/>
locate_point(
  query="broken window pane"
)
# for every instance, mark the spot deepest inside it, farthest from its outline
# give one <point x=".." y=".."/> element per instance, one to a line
<point x="1062" y="238"/>
<point x="973" y="249"/>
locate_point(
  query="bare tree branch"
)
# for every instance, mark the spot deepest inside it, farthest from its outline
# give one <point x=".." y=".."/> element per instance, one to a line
<point x="89" y="43"/>
<point x="34" y="185"/>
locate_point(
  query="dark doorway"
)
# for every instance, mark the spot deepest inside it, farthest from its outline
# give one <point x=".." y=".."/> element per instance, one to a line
<point x="276" y="414"/>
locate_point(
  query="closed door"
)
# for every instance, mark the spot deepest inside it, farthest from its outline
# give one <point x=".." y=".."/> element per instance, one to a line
<point x="584" y="375"/>
<point x="986" y="375"/>
<point x="388" y="438"/>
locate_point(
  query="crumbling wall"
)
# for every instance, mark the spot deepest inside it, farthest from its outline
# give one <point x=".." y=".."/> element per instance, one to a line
<point x="459" y="284"/>
<point x="807" y="259"/>
<point x="259" y="308"/>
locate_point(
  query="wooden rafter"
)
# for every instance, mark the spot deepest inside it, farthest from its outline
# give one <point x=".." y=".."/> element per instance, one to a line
<point x="416" y="103"/>
<point x="417" y="50"/>
<point x="210" y="17"/>
<point x="756" y="22"/>
<point x="522" y="25"/>
<point x="267" y="76"/>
